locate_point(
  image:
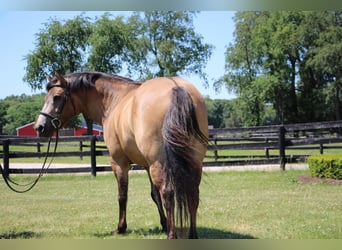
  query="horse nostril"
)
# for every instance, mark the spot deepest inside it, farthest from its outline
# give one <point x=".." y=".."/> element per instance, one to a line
<point x="40" y="129"/>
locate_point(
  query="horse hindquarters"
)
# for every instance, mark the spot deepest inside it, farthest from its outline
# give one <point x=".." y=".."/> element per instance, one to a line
<point x="183" y="170"/>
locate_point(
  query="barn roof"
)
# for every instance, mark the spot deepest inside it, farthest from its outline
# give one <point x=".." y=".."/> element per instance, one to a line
<point x="26" y="125"/>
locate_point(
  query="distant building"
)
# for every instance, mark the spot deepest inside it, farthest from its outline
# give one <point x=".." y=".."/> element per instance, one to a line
<point x="28" y="130"/>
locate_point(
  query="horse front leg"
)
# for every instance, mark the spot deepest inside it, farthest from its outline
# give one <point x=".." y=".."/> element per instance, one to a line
<point x="121" y="174"/>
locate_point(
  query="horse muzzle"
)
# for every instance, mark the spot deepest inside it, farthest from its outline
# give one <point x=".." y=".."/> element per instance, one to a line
<point x="44" y="127"/>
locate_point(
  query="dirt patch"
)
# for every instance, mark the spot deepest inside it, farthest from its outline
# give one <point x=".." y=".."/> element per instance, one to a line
<point x="310" y="179"/>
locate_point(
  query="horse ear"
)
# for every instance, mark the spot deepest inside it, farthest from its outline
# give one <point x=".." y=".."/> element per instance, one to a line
<point x="59" y="77"/>
<point x="48" y="78"/>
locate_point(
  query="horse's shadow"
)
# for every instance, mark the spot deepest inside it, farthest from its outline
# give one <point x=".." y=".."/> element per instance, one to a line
<point x="214" y="233"/>
<point x="20" y="235"/>
<point x="203" y="233"/>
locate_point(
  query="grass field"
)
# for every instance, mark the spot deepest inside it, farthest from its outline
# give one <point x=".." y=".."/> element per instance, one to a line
<point x="250" y="204"/>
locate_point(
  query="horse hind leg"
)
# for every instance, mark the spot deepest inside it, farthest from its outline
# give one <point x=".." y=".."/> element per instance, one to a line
<point x="169" y="204"/>
<point x="157" y="200"/>
<point x="166" y="195"/>
<point x="193" y="215"/>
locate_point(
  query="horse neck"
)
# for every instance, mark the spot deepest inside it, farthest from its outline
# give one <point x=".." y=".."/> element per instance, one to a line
<point x="101" y="100"/>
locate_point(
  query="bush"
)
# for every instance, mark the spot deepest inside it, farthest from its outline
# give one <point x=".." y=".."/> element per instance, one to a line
<point x="326" y="166"/>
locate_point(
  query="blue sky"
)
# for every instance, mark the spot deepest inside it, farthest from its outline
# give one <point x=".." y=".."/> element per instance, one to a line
<point x="18" y="30"/>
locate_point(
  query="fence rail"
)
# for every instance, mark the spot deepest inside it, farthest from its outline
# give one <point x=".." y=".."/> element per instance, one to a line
<point x="228" y="147"/>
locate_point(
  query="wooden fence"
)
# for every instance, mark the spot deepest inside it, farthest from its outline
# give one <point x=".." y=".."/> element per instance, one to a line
<point x="228" y="147"/>
<point x="272" y="144"/>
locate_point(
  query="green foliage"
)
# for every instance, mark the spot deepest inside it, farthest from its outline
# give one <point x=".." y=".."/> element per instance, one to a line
<point x="167" y="45"/>
<point x="217" y="109"/>
<point x="19" y="110"/>
<point x="149" y="44"/>
<point x="326" y="166"/>
<point x="59" y="46"/>
<point x="108" y="42"/>
<point x="286" y="59"/>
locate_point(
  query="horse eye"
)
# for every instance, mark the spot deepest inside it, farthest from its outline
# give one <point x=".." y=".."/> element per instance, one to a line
<point x="57" y="98"/>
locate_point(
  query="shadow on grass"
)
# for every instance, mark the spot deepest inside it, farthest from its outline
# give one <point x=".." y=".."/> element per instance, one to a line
<point x="20" y="235"/>
<point x="213" y="233"/>
<point x="141" y="233"/>
<point x="203" y="233"/>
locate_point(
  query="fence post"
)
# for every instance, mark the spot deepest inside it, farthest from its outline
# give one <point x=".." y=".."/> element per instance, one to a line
<point x="215" y="150"/>
<point x="39" y="148"/>
<point x="321" y="148"/>
<point x="5" y="146"/>
<point x="282" y="156"/>
<point x="93" y="155"/>
<point x="81" y="150"/>
<point x="267" y="151"/>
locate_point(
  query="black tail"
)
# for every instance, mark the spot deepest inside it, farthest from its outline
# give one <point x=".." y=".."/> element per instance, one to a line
<point x="180" y="128"/>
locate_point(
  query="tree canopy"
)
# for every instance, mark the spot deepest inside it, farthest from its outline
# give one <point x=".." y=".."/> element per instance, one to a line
<point x="60" y="46"/>
<point x="146" y="44"/>
<point x="166" y="44"/>
<point x="290" y="60"/>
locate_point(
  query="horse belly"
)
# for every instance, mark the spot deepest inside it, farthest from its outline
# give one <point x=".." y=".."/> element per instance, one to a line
<point x="126" y="134"/>
<point x="133" y="153"/>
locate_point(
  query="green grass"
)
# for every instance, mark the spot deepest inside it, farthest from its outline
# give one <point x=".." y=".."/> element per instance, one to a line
<point x="268" y="205"/>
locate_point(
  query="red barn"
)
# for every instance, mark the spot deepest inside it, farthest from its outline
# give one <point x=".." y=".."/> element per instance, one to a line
<point x="97" y="129"/>
<point x="28" y="130"/>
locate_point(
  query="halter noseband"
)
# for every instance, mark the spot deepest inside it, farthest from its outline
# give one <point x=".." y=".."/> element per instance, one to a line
<point x="56" y="120"/>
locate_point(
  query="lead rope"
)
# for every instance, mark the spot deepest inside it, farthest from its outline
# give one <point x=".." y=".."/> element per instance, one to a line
<point x="11" y="184"/>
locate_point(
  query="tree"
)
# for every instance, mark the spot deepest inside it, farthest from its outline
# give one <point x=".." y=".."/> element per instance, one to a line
<point x="324" y="58"/>
<point x="60" y="46"/>
<point x="243" y="67"/>
<point x="286" y="59"/>
<point x="166" y="44"/>
<point x="109" y="42"/>
<point x="216" y="111"/>
<point x="19" y="110"/>
<point x="3" y="121"/>
<point x="224" y="113"/>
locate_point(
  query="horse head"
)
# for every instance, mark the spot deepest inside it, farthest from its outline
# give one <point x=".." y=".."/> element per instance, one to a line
<point x="58" y="108"/>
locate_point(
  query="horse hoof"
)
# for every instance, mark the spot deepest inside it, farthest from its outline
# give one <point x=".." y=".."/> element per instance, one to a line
<point x="119" y="231"/>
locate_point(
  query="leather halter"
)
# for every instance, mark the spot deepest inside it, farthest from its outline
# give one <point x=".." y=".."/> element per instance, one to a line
<point x="56" y="120"/>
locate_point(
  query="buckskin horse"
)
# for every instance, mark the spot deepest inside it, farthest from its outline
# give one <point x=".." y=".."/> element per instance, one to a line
<point x="160" y="124"/>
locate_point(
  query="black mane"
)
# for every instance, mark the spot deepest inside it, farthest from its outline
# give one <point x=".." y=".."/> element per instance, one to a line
<point x="87" y="80"/>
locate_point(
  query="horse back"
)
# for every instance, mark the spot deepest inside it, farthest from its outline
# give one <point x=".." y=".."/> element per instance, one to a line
<point x="133" y="128"/>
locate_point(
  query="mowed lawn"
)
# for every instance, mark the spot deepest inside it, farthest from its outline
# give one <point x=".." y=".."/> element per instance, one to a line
<point x="250" y="204"/>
